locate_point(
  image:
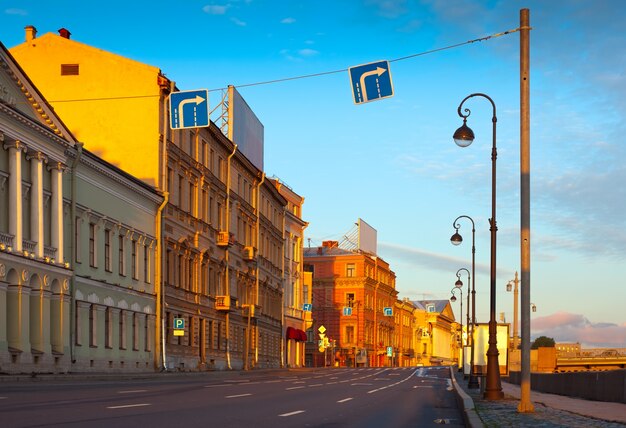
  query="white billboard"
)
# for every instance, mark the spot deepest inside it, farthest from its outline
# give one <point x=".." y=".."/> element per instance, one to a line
<point x="367" y="238"/>
<point x="244" y="128"/>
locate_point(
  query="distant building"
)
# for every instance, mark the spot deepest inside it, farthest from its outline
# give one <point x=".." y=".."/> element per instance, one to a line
<point x="439" y="340"/>
<point x="354" y="297"/>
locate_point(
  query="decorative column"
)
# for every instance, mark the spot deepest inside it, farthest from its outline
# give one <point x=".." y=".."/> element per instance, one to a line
<point x="57" y="312"/>
<point x="15" y="192"/>
<point x="18" y="305"/>
<point x="36" y="201"/>
<point x="56" y="217"/>
<point x="39" y="325"/>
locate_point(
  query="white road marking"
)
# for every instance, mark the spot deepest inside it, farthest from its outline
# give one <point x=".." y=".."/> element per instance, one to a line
<point x="237" y="396"/>
<point x="129" y="405"/>
<point x="3" y="398"/>
<point x="315" y="384"/>
<point x="344" y="400"/>
<point x="291" y="413"/>
<point x="294" y="387"/>
<point x="236" y="381"/>
<point x="131" y="391"/>
<point x="361" y="383"/>
<point x="215" y="386"/>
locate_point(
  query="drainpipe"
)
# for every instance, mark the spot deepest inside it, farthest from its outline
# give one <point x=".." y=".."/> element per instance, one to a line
<point x="160" y="286"/>
<point x="227" y="285"/>
<point x="158" y="274"/>
<point x="282" y="301"/>
<point x="258" y="259"/>
<point x="79" y="153"/>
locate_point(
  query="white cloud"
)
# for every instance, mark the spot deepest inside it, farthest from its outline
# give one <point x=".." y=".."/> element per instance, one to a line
<point x="288" y="21"/>
<point x="568" y="327"/>
<point x="15" y="11"/>
<point x="307" y="52"/>
<point x="238" y="22"/>
<point x="214" y="9"/>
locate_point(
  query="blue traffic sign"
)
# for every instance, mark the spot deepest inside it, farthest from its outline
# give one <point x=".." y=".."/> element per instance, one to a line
<point x="307" y="307"/>
<point x="371" y="82"/>
<point x="179" y="323"/>
<point x="189" y="109"/>
<point x="388" y="311"/>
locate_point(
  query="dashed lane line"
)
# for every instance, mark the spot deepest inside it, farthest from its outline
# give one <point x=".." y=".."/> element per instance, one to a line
<point x="132" y="391"/>
<point x="238" y="396"/>
<point x="126" y="406"/>
<point x="291" y="413"/>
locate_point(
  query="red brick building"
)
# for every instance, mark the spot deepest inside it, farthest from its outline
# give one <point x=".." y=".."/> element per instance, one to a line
<point x="354" y="298"/>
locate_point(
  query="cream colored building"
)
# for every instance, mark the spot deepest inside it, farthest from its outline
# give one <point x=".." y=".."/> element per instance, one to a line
<point x="63" y="308"/>
<point x="221" y="266"/>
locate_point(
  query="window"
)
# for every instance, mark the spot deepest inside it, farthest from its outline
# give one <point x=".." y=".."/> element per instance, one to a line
<point x="92" y="326"/>
<point x="122" y="329"/>
<point x="191" y="204"/>
<point x="350" y="270"/>
<point x="77" y="239"/>
<point x="69" y="69"/>
<point x="108" y="328"/>
<point x="146" y="264"/>
<point x="135" y="331"/>
<point x="133" y="260"/>
<point x="349" y="334"/>
<point x="350" y="300"/>
<point x="122" y="264"/>
<point x="430" y="308"/>
<point x="92" y="245"/>
<point x="107" y="250"/>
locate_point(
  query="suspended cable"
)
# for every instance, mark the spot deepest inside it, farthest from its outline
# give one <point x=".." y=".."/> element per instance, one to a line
<point x="307" y="76"/>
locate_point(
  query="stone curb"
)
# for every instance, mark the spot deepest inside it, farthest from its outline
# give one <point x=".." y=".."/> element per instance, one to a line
<point x="469" y="410"/>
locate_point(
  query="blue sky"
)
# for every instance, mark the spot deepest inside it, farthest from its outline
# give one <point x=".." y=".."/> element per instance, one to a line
<point x="393" y="162"/>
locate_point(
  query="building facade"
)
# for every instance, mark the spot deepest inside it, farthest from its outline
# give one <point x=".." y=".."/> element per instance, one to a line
<point x="64" y="304"/>
<point x="297" y="291"/>
<point x="353" y="300"/>
<point x="220" y="271"/>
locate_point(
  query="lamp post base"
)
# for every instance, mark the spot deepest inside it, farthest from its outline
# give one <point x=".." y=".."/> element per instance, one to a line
<point x="473" y="382"/>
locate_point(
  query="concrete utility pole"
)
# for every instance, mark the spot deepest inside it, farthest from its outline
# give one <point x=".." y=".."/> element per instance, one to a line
<point x="525" y="405"/>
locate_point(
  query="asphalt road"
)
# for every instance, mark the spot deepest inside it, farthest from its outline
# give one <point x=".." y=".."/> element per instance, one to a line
<point x="361" y="397"/>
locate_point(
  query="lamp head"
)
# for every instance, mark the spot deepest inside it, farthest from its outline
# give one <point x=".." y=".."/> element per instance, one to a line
<point x="456" y="239"/>
<point x="453" y="298"/>
<point x="533" y="307"/>
<point x="509" y="286"/>
<point x="464" y="136"/>
<point x="458" y="283"/>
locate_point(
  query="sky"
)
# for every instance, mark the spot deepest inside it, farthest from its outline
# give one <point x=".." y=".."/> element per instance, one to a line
<point x="392" y="162"/>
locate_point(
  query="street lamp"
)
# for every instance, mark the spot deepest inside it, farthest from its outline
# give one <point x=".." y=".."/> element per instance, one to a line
<point x="513" y="285"/>
<point x="463" y="137"/>
<point x="459" y="285"/>
<point x="456" y="239"/>
<point x="453" y="299"/>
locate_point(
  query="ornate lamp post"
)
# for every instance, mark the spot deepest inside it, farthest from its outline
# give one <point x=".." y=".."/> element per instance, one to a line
<point x="456" y="239"/>
<point x="513" y="285"/>
<point x="470" y="327"/>
<point x="453" y="299"/>
<point x="463" y="137"/>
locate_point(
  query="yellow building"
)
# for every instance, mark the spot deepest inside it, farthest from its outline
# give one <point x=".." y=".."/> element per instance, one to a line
<point x="111" y="103"/>
<point x="221" y="265"/>
<point x="438" y="336"/>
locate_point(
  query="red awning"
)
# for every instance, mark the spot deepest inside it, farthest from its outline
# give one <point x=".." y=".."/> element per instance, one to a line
<point x="296" y="334"/>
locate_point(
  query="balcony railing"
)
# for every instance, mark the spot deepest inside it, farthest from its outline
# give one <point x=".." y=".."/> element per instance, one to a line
<point x="6" y="239"/>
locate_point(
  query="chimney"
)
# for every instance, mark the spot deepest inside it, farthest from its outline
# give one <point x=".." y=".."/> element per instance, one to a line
<point x="65" y="33"/>
<point x="31" y="33"/>
<point x="330" y="244"/>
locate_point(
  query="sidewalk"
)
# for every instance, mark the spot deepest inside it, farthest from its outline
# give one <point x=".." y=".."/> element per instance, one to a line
<point x="550" y="410"/>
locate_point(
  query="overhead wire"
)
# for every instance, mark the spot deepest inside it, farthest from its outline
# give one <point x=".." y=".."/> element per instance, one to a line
<point x="307" y="76"/>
